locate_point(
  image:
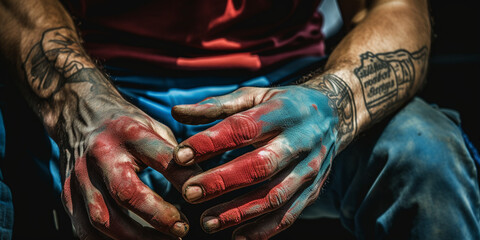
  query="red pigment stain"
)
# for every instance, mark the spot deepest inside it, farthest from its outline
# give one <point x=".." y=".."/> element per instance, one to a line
<point x="98" y="210"/>
<point x="123" y="182"/>
<point x="315" y="106"/>
<point x="244" y="171"/>
<point x="315" y="163"/>
<point x="234" y="131"/>
<point x="243" y="209"/>
<point x="129" y="128"/>
<point x="230" y="133"/>
<point x="67" y="195"/>
<point x="148" y="205"/>
<point x="257" y="113"/>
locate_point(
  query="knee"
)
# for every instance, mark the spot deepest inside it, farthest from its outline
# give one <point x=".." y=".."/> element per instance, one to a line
<point x="424" y="144"/>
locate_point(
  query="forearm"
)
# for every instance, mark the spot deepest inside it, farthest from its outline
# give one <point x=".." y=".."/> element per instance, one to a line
<point x="378" y="66"/>
<point x="57" y="78"/>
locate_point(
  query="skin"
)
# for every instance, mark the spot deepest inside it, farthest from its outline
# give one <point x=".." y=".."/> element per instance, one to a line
<point x="298" y="130"/>
<point x="103" y="139"/>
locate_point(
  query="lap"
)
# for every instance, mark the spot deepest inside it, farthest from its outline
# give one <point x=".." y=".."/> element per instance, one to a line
<point x="408" y="177"/>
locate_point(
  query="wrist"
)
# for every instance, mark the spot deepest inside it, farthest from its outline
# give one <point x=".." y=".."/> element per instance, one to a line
<point x="63" y="84"/>
<point x="345" y="99"/>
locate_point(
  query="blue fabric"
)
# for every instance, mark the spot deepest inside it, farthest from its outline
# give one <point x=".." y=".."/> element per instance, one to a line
<point x="471" y="148"/>
<point x="6" y="204"/>
<point x="412" y="176"/>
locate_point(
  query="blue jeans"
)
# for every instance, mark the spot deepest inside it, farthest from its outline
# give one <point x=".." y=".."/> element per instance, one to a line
<point x="411" y="176"/>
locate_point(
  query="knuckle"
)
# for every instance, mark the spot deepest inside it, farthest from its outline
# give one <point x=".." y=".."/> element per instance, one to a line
<point x="244" y="128"/>
<point x="313" y="169"/>
<point x="245" y="89"/>
<point x="264" y="165"/>
<point x="313" y="197"/>
<point x="287" y="220"/>
<point x="98" y="213"/>
<point x="125" y="193"/>
<point x="276" y="198"/>
<point x="100" y="146"/>
<point x="98" y="220"/>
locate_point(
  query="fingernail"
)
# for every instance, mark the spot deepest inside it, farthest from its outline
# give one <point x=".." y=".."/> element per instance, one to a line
<point x="184" y="155"/>
<point x="210" y="224"/>
<point x="193" y="193"/>
<point x="179" y="229"/>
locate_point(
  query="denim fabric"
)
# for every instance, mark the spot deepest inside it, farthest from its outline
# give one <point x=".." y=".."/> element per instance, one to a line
<point x="411" y="177"/>
<point x="6" y="205"/>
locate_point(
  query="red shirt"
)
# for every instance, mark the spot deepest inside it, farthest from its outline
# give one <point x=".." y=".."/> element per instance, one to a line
<point x="200" y="35"/>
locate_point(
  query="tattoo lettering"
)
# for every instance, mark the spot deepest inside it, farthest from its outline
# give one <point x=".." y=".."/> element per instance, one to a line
<point x="387" y="78"/>
<point x="341" y="99"/>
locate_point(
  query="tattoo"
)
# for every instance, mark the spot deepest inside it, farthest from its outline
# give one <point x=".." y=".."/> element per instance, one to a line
<point x="52" y="67"/>
<point x="53" y="60"/>
<point x="387" y="78"/>
<point x="341" y="99"/>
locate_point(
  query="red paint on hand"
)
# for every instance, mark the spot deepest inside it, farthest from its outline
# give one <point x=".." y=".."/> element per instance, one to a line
<point x="235" y="131"/>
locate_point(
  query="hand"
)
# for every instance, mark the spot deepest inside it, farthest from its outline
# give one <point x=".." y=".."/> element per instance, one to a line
<point x="295" y="132"/>
<point x="103" y="183"/>
<point x="104" y="141"/>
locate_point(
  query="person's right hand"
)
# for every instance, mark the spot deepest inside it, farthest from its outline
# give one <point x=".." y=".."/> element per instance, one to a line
<point x="103" y="181"/>
<point x="104" y="141"/>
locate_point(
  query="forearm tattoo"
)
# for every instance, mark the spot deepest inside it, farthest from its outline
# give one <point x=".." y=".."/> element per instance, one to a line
<point x="387" y="78"/>
<point x="52" y="61"/>
<point x="65" y="83"/>
<point x="340" y="99"/>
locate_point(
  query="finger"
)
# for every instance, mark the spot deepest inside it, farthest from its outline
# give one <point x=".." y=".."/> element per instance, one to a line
<point x="279" y="220"/>
<point x="75" y="207"/>
<point x="118" y="171"/>
<point x="214" y="108"/>
<point x="111" y="221"/>
<point x="153" y="151"/>
<point x="152" y="148"/>
<point x="246" y="170"/>
<point x="239" y="130"/>
<point x="267" y="198"/>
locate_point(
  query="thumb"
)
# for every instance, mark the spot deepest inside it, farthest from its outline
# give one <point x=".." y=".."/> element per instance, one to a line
<point x="215" y="108"/>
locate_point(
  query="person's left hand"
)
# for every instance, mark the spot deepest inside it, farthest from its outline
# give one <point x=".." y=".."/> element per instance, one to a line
<point x="294" y="130"/>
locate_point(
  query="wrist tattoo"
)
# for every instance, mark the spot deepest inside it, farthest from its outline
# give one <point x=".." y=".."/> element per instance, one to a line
<point x="52" y="68"/>
<point x="341" y="100"/>
<point x="387" y="78"/>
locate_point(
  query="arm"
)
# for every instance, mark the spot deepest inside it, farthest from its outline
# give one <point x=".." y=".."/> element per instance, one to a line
<point x="298" y="130"/>
<point x="381" y="63"/>
<point x="104" y="140"/>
